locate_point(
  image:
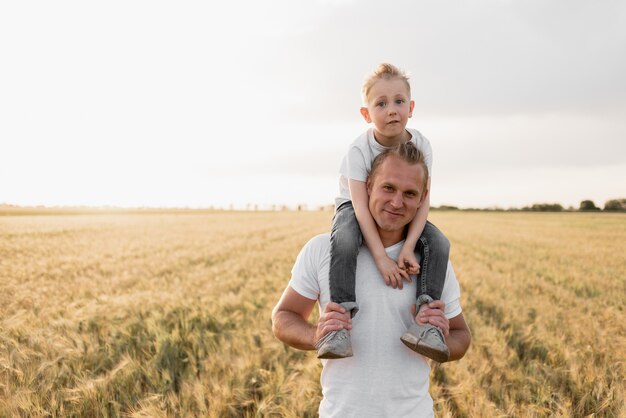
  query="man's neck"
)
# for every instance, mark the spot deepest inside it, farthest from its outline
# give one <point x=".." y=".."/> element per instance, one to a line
<point x="389" y="238"/>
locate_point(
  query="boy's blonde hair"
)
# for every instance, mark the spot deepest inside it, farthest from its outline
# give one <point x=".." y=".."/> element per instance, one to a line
<point x="384" y="71"/>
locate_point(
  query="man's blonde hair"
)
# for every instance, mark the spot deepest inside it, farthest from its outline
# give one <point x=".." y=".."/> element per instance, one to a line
<point x="407" y="152"/>
<point x="384" y="71"/>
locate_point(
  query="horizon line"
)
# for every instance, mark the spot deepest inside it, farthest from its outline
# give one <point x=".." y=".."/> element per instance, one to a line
<point x="260" y="207"/>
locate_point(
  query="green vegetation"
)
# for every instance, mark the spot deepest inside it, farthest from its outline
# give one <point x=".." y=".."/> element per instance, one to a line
<point x="618" y="205"/>
<point x="587" y="205"/>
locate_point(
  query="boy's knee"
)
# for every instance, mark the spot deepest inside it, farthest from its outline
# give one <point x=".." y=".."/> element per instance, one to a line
<point x="349" y="241"/>
<point x="442" y="242"/>
<point x="436" y="239"/>
<point x="354" y="232"/>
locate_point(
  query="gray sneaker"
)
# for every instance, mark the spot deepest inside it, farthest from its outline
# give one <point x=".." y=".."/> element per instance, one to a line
<point x="427" y="340"/>
<point x="335" y="344"/>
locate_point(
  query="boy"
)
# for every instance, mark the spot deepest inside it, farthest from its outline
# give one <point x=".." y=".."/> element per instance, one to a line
<point x="388" y="105"/>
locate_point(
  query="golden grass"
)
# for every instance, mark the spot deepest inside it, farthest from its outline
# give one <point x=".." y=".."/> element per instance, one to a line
<point x="168" y="315"/>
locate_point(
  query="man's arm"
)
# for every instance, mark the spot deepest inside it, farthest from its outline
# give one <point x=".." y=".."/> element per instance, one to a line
<point x="290" y="325"/>
<point x="459" y="339"/>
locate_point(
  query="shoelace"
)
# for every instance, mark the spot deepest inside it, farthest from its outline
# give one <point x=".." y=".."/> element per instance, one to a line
<point x="330" y="335"/>
<point x="434" y="328"/>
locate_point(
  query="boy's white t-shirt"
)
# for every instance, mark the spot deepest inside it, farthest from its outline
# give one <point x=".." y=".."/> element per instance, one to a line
<point x="384" y="378"/>
<point x="357" y="163"/>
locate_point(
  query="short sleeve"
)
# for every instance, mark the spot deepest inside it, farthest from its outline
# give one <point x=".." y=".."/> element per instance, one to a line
<point x="451" y="294"/>
<point x="428" y="157"/>
<point x="357" y="167"/>
<point x="304" y="274"/>
<point x="423" y="144"/>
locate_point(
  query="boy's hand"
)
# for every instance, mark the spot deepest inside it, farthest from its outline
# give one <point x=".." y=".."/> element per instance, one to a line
<point x="408" y="261"/>
<point x="392" y="274"/>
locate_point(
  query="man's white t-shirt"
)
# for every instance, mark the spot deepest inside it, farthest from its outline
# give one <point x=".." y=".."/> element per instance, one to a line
<point x="357" y="163"/>
<point x="384" y="378"/>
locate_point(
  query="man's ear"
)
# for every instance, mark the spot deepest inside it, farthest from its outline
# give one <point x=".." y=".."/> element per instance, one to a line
<point x="366" y="114"/>
<point x="368" y="186"/>
<point x="411" y="106"/>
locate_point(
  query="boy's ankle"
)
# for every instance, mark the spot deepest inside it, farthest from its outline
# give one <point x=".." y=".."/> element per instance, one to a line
<point x="423" y="301"/>
<point x="422" y="307"/>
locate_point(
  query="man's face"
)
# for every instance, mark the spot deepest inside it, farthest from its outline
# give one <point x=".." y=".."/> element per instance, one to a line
<point x="395" y="193"/>
<point x="389" y="107"/>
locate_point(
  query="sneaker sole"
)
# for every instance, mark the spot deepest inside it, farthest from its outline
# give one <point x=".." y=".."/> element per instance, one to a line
<point x="411" y="342"/>
<point x="331" y="355"/>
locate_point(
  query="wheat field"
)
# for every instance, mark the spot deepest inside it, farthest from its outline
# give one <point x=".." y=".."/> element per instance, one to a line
<point x="168" y="314"/>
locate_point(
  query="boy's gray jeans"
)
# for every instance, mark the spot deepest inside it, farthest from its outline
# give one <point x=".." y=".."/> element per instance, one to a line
<point x="433" y="249"/>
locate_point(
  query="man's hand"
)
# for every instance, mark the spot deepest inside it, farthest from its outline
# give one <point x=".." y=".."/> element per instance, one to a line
<point x="407" y="260"/>
<point x="433" y="313"/>
<point x="455" y="330"/>
<point x="334" y="318"/>
<point x="392" y="274"/>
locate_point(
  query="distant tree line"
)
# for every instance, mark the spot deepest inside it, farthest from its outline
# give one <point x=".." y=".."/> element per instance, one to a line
<point x="613" y="205"/>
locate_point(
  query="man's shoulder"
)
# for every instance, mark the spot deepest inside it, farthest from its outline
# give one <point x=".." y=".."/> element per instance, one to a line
<point x="320" y="240"/>
<point x="310" y="263"/>
<point x="317" y="246"/>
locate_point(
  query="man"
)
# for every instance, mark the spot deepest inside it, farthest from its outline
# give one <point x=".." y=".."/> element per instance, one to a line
<point x="384" y="377"/>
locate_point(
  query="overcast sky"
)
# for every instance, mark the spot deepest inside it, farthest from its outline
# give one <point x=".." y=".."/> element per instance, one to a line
<point x="152" y="103"/>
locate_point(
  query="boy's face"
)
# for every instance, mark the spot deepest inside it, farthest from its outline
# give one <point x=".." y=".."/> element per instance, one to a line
<point x="389" y="107"/>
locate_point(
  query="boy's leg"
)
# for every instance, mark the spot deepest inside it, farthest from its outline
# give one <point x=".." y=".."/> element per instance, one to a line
<point x="434" y="249"/>
<point x="345" y="241"/>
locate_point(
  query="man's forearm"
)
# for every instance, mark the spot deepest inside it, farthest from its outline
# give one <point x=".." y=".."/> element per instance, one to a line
<point x="293" y="330"/>
<point x="458" y="342"/>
